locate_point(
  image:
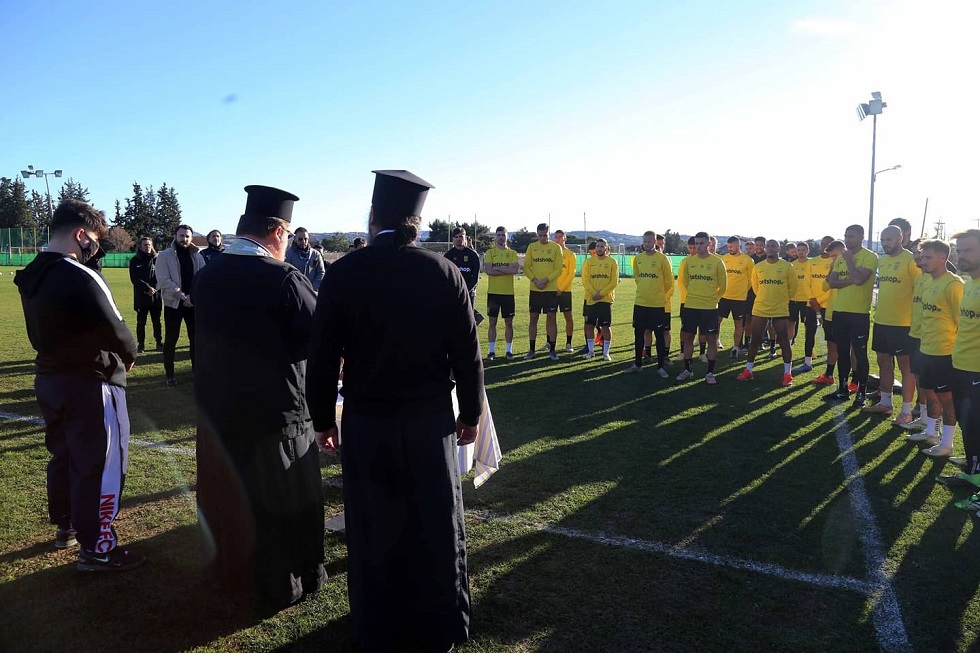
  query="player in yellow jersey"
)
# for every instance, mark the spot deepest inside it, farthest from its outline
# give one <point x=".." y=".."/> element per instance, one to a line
<point x="966" y="364"/>
<point x="565" y="288"/>
<point x="542" y="266"/>
<point x="819" y="269"/>
<point x="909" y="420"/>
<point x="798" y="302"/>
<point x="738" y="269"/>
<point x="893" y="319"/>
<point x="654" y="281"/>
<point x="600" y="276"/>
<point x="852" y="275"/>
<point x="774" y="282"/>
<point x="704" y="280"/>
<point x="942" y="294"/>
<point x="500" y="265"/>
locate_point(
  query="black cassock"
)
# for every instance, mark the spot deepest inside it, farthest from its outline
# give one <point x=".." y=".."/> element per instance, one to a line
<point x="259" y="486"/>
<point x="402" y="321"/>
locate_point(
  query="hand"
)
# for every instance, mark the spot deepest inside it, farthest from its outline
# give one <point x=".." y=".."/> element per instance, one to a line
<point x="541" y="284"/>
<point x="326" y="441"/>
<point x="559" y="292"/>
<point x="597" y="296"/>
<point x="848" y="255"/>
<point x="187" y="302"/>
<point x="129" y="368"/>
<point x="465" y="434"/>
<point x="815" y="305"/>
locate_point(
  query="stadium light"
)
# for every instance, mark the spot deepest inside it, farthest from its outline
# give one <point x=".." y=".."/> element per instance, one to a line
<point x="873" y="108"/>
<point x="894" y="167"/>
<point x="32" y="172"/>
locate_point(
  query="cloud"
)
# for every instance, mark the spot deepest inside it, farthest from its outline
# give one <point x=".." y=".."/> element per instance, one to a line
<point x="826" y="27"/>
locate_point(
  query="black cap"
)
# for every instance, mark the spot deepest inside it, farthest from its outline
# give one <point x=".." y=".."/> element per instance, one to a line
<point x="398" y="193"/>
<point x="269" y="202"/>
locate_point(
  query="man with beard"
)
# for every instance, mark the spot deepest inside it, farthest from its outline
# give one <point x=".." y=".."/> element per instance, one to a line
<point x="214" y="247"/>
<point x="84" y="350"/>
<point x="818" y="268"/>
<point x="306" y="259"/>
<point x="406" y="540"/>
<point x="738" y="268"/>
<point x="654" y="281"/>
<point x="146" y="299"/>
<point x="259" y="486"/>
<point x="893" y="317"/>
<point x="467" y="260"/>
<point x="568" y="268"/>
<point x="501" y="266"/>
<point x="176" y="267"/>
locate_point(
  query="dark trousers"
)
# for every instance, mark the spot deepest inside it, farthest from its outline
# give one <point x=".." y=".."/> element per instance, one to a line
<point x="966" y="401"/>
<point x="153" y="311"/>
<point x="172" y="318"/>
<point x="810" y="334"/>
<point x="851" y="333"/>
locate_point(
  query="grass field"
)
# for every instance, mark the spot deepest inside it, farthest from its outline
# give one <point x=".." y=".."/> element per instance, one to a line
<point x="631" y="513"/>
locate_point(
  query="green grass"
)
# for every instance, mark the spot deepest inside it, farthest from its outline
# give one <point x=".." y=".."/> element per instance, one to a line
<point x="745" y="471"/>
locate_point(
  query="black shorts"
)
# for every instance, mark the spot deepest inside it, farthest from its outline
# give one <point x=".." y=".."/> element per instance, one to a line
<point x="565" y="301"/>
<point x="828" y="327"/>
<point x="937" y="373"/>
<point x="770" y="319"/>
<point x="915" y="356"/>
<point x="542" y="301"/>
<point x="666" y="320"/>
<point x="734" y="307"/>
<point x="892" y="340"/>
<point x="599" y="314"/>
<point x="501" y="304"/>
<point x="796" y="310"/>
<point x="700" y="319"/>
<point x="650" y="318"/>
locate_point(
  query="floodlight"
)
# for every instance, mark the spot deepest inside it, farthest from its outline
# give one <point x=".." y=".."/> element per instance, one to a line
<point x="26" y="174"/>
<point x="57" y="173"/>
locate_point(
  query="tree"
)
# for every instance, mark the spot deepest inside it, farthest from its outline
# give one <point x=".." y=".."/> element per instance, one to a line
<point x="572" y="239"/>
<point x="118" y="240"/>
<point x="673" y="244"/>
<point x="150" y="213"/>
<point x="39" y="209"/>
<point x="72" y="190"/>
<point x="336" y="242"/>
<point x="15" y="209"/>
<point x="520" y="239"/>
<point x="480" y="234"/>
<point x="439" y="231"/>
<point x="166" y="211"/>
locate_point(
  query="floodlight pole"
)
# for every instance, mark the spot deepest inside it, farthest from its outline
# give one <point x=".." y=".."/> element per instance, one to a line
<point x="31" y="172"/>
<point x="871" y="207"/>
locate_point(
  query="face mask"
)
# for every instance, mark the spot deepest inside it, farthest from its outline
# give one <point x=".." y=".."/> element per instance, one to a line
<point x="89" y="251"/>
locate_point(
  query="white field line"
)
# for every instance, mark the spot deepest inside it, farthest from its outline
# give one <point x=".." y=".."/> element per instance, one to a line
<point x="886" y="613"/>
<point x="880" y="588"/>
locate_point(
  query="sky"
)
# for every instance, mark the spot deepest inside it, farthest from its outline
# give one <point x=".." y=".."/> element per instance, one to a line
<point x="733" y="118"/>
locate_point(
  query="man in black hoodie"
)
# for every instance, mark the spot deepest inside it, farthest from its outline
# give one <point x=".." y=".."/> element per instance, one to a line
<point x="84" y="350"/>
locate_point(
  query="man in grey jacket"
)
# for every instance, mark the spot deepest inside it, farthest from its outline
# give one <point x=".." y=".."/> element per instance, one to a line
<point x="306" y="259"/>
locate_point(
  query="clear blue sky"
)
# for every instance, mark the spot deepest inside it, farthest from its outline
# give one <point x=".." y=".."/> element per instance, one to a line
<point x="729" y="117"/>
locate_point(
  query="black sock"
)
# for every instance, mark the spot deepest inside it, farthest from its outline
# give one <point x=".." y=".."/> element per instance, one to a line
<point x="687" y="365"/>
<point x="703" y="346"/>
<point x="551" y="345"/>
<point x="711" y="366"/>
<point x="568" y="341"/>
<point x="830" y="369"/>
<point x="533" y="343"/>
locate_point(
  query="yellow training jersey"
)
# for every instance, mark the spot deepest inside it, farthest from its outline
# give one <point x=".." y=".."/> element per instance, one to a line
<point x="855" y="299"/>
<point x="705" y="281"/>
<point x="738" y="270"/>
<point x="941" y="299"/>
<point x="802" y="269"/>
<point x="543" y="262"/>
<point x="773" y="285"/>
<point x="916" y="320"/>
<point x="896" y="278"/>
<point x="654" y="277"/>
<point x="600" y="274"/>
<point x="681" y="282"/>
<point x="567" y="269"/>
<point x="966" y="352"/>
<point x="819" y="269"/>
<point x="500" y="258"/>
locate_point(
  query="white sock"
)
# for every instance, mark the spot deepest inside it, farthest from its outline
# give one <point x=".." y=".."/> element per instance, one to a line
<point x="808" y="360"/>
<point x="886" y="399"/>
<point x="590" y="342"/>
<point x="787" y="368"/>
<point x="605" y="347"/>
<point x="493" y="347"/>
<point x="907" y="407"/>
<point x="931" y="424"/>
<point x="922" y="410"/>
<point x="749" y="365"/>
<point x="947" y="437"/>
<point x="510" y="346"/>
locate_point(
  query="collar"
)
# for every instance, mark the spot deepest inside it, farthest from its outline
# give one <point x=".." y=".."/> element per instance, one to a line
<point x="245" y="246"/>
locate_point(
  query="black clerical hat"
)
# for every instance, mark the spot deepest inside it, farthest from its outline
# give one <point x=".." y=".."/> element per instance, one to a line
<point x="269" y="202"/>
<point x="398" y="193"/>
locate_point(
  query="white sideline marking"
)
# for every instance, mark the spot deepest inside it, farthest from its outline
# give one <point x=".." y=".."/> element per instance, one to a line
<point x="887" y="615"/>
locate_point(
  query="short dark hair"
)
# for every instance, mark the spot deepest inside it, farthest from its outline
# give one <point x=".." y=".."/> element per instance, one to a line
<point x="935" y="245"/>
<point x="855" y="227"/>
<point x="458" y="231"/>
<point x="72" y="214"/>
<point x="259" y="225"/>
<point x="649" y="233"/>
<point x="660" y="237"/>
<point x="788" y="245"/>
<point x="301" y="230"/>
<point x="591" y="246"/>
<point x="835" y="244"/>
<point x="183" y="226"/>
<point x="542" y="226"/>
<point x="690" y="241"/>
<point x="902" y="224"/>
<point x="734" y="239"/>
<point x="213" y="232"/>
<point x="702" y="234"/>
<point x="760" y="239"/>
<point x="500" y="229"/>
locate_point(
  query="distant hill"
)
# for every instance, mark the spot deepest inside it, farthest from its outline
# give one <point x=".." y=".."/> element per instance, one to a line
<point x="612" y="237"/>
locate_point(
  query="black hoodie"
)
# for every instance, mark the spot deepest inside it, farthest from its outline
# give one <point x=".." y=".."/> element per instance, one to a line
<point x="72" y="322"/>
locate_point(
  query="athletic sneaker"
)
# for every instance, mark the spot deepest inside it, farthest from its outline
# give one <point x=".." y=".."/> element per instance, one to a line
<point x="960" y="479"/>
<point x="703" y="358"/>
<point x="509" y="356"/>
<point x="921" y="436"/>
<point x="606" y="357"/>
<point x="529" y="355"/>
<point x="852" y="387"/>
<point x="587" y="355"/>
<point x="860" y="399"/>
<point x="823" y="379"/>
<point x="553" y="356"/>
<point x="805" y="368"/>
<point x="685" y="375"/>
<point x="772" y="353"/>
<point x="569" y="349"/>
<point x="971" y="505"/>
<point x="119" y="559"/>
<point x="733" y="354"/>
<point x="65" y="538"/>
<point x="836" y="395"/>
<point x="903" y="419"/>
<point x="914" y="425"/>
<point x="879" y="409"/>
<point x="916" y="411"/>
<point x="662" y="372"/>
<point x="171" y="383"/>
<point x="959" y="461"/>
<point x="632" y="369"/>
<point x="709" y="378"/>
<point x="939" y="450"/>
<point x="721" y="345"/>
<point x="787" y="380"/>
<point x="584" y="349"/>
<point x="745" y="375"/>
<point x="491" y="356"/>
